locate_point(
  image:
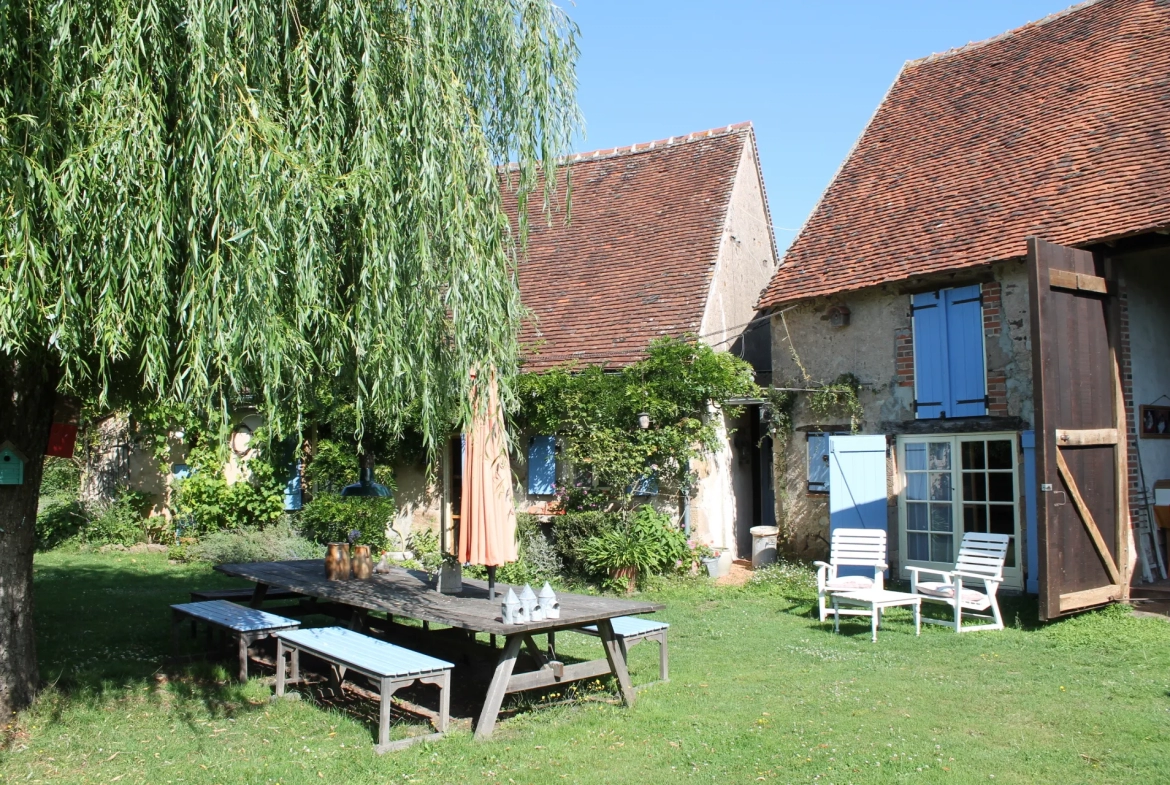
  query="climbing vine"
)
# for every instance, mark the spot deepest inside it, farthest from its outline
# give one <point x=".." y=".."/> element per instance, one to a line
<point x="596" y="412"/>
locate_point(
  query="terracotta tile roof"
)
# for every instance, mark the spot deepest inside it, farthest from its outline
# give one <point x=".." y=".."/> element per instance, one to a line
<point x="1057" y="129"/>
<point x="636" y="259"/>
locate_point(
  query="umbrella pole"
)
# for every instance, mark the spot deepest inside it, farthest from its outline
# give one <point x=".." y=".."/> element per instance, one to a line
<point x="491" y="584"/>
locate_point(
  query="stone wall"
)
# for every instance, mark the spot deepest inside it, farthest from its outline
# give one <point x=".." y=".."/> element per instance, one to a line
<point x="877" y="347"/>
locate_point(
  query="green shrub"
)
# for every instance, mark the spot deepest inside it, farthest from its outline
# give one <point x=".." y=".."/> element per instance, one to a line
<point x="424" y="544"/>
<point x="335" y="465"/>
<point x="278" y="542"/>
<point x="331" y="518"/>
<point x="122" y="522"/>
<point x="210" y="504"/>
<point x="60" y="514"/>
<point x="537" y="560"/>
<point x="60" y="523"/>
<point x="573" y="529"/>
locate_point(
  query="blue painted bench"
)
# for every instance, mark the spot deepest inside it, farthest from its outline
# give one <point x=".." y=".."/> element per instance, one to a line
<point x="246" y="625"/>
<point x="630" y="630"/>
<point x="388" y="666"/>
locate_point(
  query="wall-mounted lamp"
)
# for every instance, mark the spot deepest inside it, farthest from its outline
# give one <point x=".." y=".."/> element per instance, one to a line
<point x="644" y="420"/>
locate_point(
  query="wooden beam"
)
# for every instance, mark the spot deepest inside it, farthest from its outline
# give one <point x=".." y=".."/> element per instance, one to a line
<point x="1067" y="279"/>
<point x="1087" y="518"/>
<point x="546" y="677"/>
<point x="1120" y="422"/>
<point x="1089" y="597"/>
<point x="1089" y="437"/>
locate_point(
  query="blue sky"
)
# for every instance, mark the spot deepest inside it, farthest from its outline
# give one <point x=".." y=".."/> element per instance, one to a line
<point x="808" y="74"/>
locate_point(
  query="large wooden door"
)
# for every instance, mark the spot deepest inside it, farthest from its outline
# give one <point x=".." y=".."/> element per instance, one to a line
<point x="1083" y="511"/>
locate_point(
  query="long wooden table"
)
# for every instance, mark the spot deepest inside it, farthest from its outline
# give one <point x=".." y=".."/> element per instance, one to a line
<point x="411" y="594"/>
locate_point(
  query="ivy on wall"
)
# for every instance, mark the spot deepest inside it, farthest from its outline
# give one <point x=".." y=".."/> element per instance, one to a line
<point x="596" y="411"/>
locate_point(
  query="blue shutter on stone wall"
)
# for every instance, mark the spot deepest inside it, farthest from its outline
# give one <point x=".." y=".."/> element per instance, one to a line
<point x="931" y="379"/>
<point x="818" y="462"/>
<point x="968" y="380"/>
<point x="542" y="465"/>
<point x="950" y="378"/>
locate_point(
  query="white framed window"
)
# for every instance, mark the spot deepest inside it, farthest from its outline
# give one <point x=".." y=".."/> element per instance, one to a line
<point x="954" y="484"/>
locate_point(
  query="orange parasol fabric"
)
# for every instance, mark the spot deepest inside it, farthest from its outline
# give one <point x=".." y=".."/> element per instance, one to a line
<point x="487" y="513"/>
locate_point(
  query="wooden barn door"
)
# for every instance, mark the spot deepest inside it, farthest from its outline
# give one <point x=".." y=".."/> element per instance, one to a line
<point x="1083" y="511"/>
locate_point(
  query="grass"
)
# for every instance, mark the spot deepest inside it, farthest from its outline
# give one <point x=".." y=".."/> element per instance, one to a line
<point x="759" y="692"/>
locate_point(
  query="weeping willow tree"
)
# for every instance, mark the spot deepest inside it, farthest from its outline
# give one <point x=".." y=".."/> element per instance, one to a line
<point x="203" y="199"/>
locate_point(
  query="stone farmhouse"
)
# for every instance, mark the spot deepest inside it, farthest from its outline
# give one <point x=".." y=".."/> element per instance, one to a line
<point x="992" y="263"/>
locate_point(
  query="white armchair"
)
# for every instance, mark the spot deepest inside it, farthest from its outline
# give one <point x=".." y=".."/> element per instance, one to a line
<point x="981" y="559"/>
<point x="851" y="548"/>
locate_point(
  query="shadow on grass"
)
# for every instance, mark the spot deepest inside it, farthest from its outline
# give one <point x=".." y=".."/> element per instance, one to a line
<point x="104" y="627"/>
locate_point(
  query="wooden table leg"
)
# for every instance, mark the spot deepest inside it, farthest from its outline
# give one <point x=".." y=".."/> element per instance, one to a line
<point x="617" y="660"/>
<point x="258" y="594"/>
<point x="535" y="651"/>
<point x="280" y="668"/>
<point x="242" y="646"/>
<point x="498" y="688"/>
<point x="552" y="645"/>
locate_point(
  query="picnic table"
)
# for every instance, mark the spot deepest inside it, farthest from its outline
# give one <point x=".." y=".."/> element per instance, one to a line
<point x="411" y="594"/>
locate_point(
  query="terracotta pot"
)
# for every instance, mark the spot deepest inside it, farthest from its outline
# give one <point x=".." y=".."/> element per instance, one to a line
<point x="363" y="564"/>
<point x="337" y="562"/>
<point x="630" y="574"/>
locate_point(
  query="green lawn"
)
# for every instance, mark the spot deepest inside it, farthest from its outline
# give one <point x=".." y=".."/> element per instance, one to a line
<point x="759" y="692"/>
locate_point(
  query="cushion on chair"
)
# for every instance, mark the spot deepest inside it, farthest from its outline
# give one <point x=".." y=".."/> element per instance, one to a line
<point x="849" y="583"/>
<point x="972" y="598"/>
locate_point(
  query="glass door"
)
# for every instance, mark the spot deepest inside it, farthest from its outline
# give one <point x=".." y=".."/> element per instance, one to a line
<point x="957" y="484"/>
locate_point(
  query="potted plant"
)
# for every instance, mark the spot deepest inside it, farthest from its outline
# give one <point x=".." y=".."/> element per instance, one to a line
<point x="707" y="557"/>
<point x="623" y="553"/>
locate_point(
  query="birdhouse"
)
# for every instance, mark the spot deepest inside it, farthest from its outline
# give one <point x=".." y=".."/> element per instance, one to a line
<point x="527" y="603"/>
<point x="547" y="600"/>
<point x="839" y="315"/>
<point x="12" y="463"/>
<point x="510" y="608"/>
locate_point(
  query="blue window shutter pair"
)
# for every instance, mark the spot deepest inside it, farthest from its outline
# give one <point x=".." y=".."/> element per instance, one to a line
<point x="542" y="465"/>
<point x="949" y="375"/>
<point x="818" y="463"/>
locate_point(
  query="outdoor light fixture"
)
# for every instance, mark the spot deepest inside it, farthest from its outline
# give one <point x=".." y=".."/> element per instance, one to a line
<point x="365" y="486"/>
<point x="644" y="420"/>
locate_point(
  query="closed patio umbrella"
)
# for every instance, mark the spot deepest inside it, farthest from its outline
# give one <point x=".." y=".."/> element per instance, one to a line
<point x="487" y="513"/>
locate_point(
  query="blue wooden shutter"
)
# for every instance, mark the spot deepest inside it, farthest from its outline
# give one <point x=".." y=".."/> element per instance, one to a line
<point x="968" y="379"/>
<point x="931" y="378"/>
<point x="857" y="498"/>
<point x="818" y="462"/>
<point x="542" y="465"/>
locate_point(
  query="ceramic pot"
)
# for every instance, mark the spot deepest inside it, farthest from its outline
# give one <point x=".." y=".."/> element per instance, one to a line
<point x="337" y="562"/>
<point x="363" y="564"/>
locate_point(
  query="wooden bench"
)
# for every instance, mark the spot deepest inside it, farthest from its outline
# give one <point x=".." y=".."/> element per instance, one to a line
<point x="247" y="625"/>
<point x="241" y="595"/>
<point x="388" y="666"/>
<point x="630" y="630"/>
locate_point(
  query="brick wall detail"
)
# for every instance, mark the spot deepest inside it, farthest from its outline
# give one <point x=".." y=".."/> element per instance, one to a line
<point x="997" y="402"/>
<point x="1137" y="509"/>
<point x="904" y="357"/>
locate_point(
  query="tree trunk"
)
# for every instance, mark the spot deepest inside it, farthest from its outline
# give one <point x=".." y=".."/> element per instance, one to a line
<point x="28" y="391"/>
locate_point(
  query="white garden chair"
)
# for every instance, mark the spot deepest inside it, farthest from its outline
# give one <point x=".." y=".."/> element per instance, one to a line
<point x="851" y="548"/>
<point x="981" y="558"/>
